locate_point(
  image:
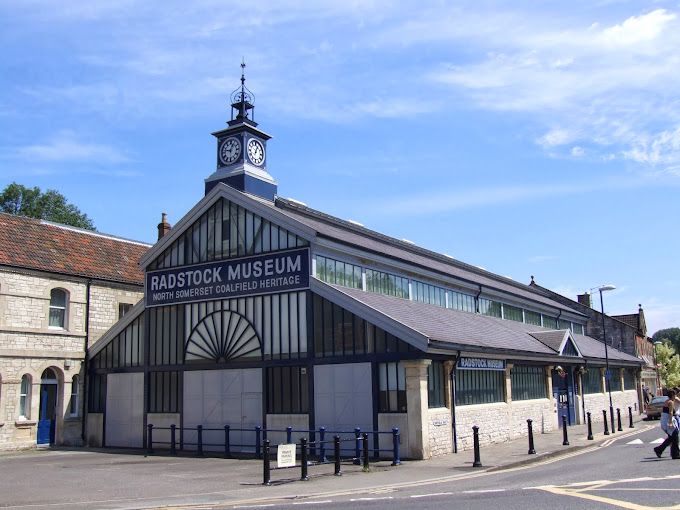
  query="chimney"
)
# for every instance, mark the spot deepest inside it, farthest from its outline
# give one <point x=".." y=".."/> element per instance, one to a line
<point x="163" y="227"/>
<point x="584" y="299"/>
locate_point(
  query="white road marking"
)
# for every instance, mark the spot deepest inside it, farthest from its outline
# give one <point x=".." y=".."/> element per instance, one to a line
<point x="371" y="499"/>
<point x="431" y="495"/>
<point x="252" y="506"/>
<point x="313" y="502"/>
<point x="657" y="441"/>
<point x="636" y="441"/>
<point x="483" y="492"/>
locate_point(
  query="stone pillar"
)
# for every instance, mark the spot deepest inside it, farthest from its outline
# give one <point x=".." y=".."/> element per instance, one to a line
<point x="553" y="402"/>
<point x="416" y="403"/>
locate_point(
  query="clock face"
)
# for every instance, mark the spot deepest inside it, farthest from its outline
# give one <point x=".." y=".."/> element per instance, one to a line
<point x="230" y="150"/>
<point x="255" y="151"/>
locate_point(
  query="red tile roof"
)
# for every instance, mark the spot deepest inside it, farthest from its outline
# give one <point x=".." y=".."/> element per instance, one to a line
<point x="36" y="244"/>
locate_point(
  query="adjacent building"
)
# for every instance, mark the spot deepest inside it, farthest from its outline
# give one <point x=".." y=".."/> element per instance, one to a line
<point x="260" y="311"/>
<point x="61" y="289"/>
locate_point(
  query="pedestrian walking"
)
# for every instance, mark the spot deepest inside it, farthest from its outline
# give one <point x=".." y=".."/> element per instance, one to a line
<point x="670" y="425"/>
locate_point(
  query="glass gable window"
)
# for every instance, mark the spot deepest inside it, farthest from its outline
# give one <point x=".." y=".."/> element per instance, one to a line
<point x="513" y="313"/>
<point x="392" y="388"/>
<point x="436" y="388"/>
<point x="489" y="308"/>
<point x="460" y="301"/>
<point x="430" y="294"/>
<point x="58" y="308"/>
<point x="338" y="332"/>
<point x="227" y="230"/>
<point x="337" y="272"/>
<point x="386" y="283"/>
<point x="479" y="386"/>
<point x="528" y="382"/>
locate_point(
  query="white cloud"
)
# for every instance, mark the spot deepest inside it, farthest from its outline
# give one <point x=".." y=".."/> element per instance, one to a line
<point x="577" y="151"/>
<point x="638" y="29"/>
<point x="65" y="147"/>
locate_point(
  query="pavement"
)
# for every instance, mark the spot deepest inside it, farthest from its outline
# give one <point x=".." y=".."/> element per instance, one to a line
<point x="135" y="480"/>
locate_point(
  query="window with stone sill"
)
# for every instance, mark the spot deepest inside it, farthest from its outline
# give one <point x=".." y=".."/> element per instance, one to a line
<point x="58" y="303"/>
<point x="25" y="398"/>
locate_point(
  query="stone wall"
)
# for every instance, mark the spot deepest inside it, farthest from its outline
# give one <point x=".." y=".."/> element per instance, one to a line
<point x="596" y="402"/>
<point x="440" y="433"/>
<point x="28" y="346"/>
<point x="540" y="411"/>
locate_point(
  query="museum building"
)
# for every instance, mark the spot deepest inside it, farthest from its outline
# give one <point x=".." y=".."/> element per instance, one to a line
<point x="260" y="311"/>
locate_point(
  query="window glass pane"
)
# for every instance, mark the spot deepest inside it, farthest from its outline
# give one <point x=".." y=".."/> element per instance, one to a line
<point x="392" y="387"/>
<point x="528" y="382"/>
<point x="479" y="386"/>
<point x="549" y="322"/>
<point x="533" y="318"/>
<point x="512" y="313"/>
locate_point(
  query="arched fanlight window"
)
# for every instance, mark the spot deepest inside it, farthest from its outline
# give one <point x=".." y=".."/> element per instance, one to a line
<point x="58" y="308"/>
<point x="25" y="398"/>
<point x="73" y="404"/>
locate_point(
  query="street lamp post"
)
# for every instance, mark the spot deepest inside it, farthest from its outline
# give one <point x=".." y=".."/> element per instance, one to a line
<point x="606" y="354"/>
<point x="656" y="368"/>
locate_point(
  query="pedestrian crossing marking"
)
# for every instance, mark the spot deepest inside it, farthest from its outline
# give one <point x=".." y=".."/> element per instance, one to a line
<point x="636" y="441"/>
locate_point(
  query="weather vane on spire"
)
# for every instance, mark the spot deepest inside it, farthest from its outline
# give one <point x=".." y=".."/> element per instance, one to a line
<point x="242" y="100"/>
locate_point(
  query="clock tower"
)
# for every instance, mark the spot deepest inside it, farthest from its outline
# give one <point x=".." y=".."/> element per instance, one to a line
<point x="242" y="149"/>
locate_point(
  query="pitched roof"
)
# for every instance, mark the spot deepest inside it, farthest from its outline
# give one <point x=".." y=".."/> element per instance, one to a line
<point x="37" y="244"/>
<point x="630" y="319"/>
<point x="351" y="234"/>
<point x="463" y="330"/>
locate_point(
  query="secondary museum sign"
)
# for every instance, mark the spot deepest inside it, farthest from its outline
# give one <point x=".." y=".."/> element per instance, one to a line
<point x="249" y="276"/>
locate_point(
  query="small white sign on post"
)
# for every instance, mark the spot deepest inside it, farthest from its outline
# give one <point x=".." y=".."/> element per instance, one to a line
<point x="285" y="456"/>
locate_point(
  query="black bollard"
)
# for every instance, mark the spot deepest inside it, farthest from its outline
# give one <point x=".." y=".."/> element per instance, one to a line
<point x="199" y="429"/>
<point x="618" y="419"/>
<point x="611" y="415"/>
<point x="606" y="427"/>
<point x="149" y="442"/>
<point x="364" y="441"/>
<point x="475" y="434"/>
<point x="289" y="435"/>
<point x="267" y="467"/>
<point x="565" y="438"/>
<point x="322" y="444"/>
<point x="532" y="450"/>
<point x="336" y="452"/>
<point x="357" y="447"/>
<point x="258" y="448"/>
<point x="590" y="428"/>
<point x="630" y="417"/>
<point x="396" y="461"/>
<point x="173" y="449"/>
<point x="303" y="459"/>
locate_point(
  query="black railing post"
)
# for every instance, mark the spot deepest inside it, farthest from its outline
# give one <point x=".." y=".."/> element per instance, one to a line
<point x="336" y="450"/>
<point x="357" y="446"/>
<point x="173" y="448"/>
<point x="475" y="436"/>
<point x="199" y="428"/>
<point x="267" y="467"/>
<point x="630" y="417"/>
<point x="590" y="428"/>
<point x="618" y="419"/>
<point x="565" y="437"/>
<point x="364" y="440"/>
<point x="289" y="435"/>
<point x="227" y="442"/>
<point x="149" y="439"/>
<point x="303" y="459"/>
<point x="322" y="444"/>
<point x="258" y="436"/>
<point x="396" y="460"/>
<point x="606" y="427"/>
<point x="532" y="450"/>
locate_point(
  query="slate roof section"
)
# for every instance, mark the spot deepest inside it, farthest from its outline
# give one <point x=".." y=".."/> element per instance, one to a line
<point x="350" y="234"/>
<point x="630" y="319"/>
<point x="552" y="339"/>
<point x="470" y="330"/>
<point x="45" y="246"/>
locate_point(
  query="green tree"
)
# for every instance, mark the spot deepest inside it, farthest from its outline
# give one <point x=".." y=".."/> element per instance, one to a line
<point x="672" y="334"/>
<point x="51" y="205"/>
<point x="668" y="363"/>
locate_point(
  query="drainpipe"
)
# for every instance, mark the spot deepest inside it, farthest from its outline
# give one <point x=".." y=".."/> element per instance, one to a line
<point x="477" y="299"/>
<point x="86" y="364"/>
<point x="453" y="403"/>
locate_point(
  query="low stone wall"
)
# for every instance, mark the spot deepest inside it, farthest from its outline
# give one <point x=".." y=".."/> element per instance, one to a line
<point x="540" y="411"/>
<point x="596" y="402"/>
<point x="440" y="431"/>
<point x="492" y="420"/>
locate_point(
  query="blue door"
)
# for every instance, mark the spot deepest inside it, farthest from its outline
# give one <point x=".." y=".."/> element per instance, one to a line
<point x="47" y="418"/>
<point x="564" y="396"/>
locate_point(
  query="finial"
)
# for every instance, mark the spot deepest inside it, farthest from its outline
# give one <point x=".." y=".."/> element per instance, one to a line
<point x="242" y="100"/>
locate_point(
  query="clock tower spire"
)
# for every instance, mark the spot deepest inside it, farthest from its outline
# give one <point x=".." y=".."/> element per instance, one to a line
<point x="242" y="149"/>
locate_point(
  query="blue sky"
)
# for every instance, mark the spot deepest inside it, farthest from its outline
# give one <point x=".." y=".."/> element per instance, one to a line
<point x="536" y="138"/>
